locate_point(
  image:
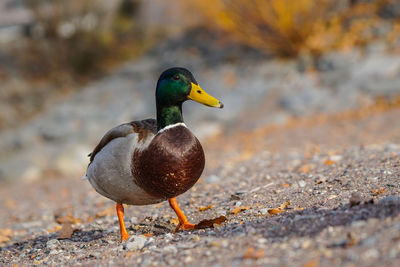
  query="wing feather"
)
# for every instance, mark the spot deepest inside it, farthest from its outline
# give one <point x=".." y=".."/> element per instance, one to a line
<point x="143" y="128"/>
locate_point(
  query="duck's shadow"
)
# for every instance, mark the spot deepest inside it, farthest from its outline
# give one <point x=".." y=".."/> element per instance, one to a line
<point x="86" y="236"/>
<point x="308" y="222"/>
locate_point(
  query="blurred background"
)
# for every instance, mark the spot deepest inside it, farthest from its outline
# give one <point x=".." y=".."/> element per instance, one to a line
<point x="72" y="69"/>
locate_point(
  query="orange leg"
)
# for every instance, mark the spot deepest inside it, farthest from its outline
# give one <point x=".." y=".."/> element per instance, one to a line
<point x="183" y="222"/>
<point x="120" y="213"/>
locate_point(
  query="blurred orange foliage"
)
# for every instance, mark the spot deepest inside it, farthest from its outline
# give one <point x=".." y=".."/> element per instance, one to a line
<point x="288" y="28"/>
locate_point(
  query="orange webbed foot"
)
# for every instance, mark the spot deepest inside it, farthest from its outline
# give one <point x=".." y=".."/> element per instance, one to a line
<point x="185" y="226"/>
<point x="183" y="222"/>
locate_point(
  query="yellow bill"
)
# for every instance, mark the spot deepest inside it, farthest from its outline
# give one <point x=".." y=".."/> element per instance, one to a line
<point x="199" y="95"/>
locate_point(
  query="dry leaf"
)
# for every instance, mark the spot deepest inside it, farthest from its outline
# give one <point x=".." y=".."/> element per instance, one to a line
<point x="306" y="168"/>
<point x="10" y="203"/>
<point x="239" y="209"/>
<point x="107" y="212"/>
<point x="351" y="241"/>
<point x="159" y="205"/>
<point x="4" y="239"/>
<point x="210" y="223"/>
<point x="66" y="231"/>
<point x="281" y="208"/>
<point x="5" y="235"/>
<point x="55" y="229"/>
<point x="285" y="185"/>
<point x="67" y="219"/>
<point x="205" y="208"/>
<point x="329" y="162"/>
<point x="275" y="211"/>
<point x="285" y="205"/>
<point x="251" y="253"/>
<point x="312" y="263"/>
<point x="149" y="234"/>
<point x="129" y="254"/>
<point x="174" y="221"/>
<point x="379" y="191"/>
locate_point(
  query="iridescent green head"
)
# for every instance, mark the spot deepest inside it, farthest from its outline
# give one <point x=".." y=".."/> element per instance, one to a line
<point x="175" y="86"/>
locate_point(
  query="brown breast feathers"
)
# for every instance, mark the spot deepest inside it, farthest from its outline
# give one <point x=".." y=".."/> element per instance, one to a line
<point x="143" y="128"/>
<point x="170" y="165"/>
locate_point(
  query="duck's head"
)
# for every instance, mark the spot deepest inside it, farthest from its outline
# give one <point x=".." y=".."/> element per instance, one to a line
<point x="176" y="85"/>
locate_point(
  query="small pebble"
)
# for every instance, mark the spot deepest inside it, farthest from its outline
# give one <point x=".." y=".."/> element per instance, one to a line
<point x="302" y="183"/>
<point x="170" y="249"/>
<point x="53" y="244"/>
<point x="213" y="179"/>
<point x="135" y="242"/>
<point x="355" y="199"/>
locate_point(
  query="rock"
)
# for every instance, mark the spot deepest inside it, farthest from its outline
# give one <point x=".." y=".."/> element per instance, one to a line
<point x="390" y="200"/>
<point x="264" y="211"/>
<point x="53" y="244"/>
<point x="355" y="199"/>
<point x="213" y="179"/>
<point x="302" y="183"/>
<point x="135" y="242"/>
<point x="170" y="249"/>
<point x="168" y="236"/>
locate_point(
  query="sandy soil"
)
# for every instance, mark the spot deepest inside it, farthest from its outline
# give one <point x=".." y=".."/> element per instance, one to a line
<point x="321" y="191"/>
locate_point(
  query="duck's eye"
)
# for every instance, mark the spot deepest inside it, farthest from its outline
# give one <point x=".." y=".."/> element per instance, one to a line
<point x="176" y="77"/>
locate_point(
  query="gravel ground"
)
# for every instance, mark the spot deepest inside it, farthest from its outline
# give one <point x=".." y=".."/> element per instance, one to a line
<point x="314" y="192"/>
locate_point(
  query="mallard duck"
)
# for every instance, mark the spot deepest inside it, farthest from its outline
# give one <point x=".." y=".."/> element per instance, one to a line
<point x="150" y="161"/>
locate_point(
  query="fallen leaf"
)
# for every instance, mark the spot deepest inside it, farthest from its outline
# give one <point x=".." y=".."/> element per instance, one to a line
<point x="129" y="254"/>
<point x="174" y="221"/>
<point x="275" y="211"/>
<point x="55" y="229"/>
<point x="329" y="162"/>
<point x="306" y="168"/>
<point x="280" y="209"/>
<point x="66" y="231"/>
<point x="4" y="239"/>
<point x="67" y="219"/>
<point x="5" y="235"/>
<point x="254" y="254"/>
<point x="378" y="191"/>
<point x="10" y="203"/>
<point x="239" y="209"/>
<point x="205" y="208"/>
<point x="210" y="223"/>
<point x="159" y="205"/>
<point x="285" y="185"/>
<point x="284" y="205"/>
<point x="107" y="212"/>
<point x="351" y="241"/>
<point x="312" y="263"/>
<point x="235" y="197"/>
<point x="149" y="234"/>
